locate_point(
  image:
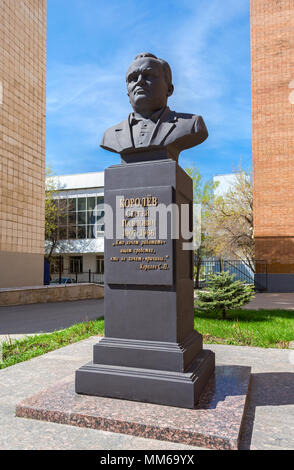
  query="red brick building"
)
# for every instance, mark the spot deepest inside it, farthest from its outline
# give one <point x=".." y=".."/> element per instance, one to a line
<point x="272" y="51"/>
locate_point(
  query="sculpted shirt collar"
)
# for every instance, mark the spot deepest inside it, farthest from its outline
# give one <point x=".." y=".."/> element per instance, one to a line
<point x="128" y="134"/>
<point x="134" y="118"/>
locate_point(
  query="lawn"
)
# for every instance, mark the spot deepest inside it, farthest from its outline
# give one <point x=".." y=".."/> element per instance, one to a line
<point x="262" y="328"/>
<point x="33" y="346"/>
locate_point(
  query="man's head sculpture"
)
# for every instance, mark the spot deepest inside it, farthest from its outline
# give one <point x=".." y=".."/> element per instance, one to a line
<point x="152" y="131"/>
<point x="149" y="83"/>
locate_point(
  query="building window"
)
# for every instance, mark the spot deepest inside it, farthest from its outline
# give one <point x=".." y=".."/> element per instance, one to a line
<point x="100" y="264"/>
<point x="81" y="217"/>
<point x="76" y="264"/>
<point x="56" y="265"/>
<point x="99" y="228"/>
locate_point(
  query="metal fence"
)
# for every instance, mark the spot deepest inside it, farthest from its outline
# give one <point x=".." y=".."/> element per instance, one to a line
<point x="66" y="277"/>
<point x="239" y="268"/>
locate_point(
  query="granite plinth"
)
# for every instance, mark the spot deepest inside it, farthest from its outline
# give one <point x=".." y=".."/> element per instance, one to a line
<point x="215" y="423"/>
<point x="182" y="389"/>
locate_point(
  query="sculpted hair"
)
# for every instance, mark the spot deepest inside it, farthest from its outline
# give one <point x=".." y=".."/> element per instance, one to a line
<point x="165" y="65"/>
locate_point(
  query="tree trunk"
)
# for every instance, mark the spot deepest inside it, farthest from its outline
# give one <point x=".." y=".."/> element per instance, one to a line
<point x="221" y="265"/>
<point x="224" y="313"/>
<point x="198" y="267"/>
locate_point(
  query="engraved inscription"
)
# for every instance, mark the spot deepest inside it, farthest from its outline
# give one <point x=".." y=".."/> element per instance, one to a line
<point x="139" y="254"/>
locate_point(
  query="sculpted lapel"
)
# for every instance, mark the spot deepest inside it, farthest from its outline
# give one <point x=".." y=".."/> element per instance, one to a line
<point x="123" y="135"/>
<point x="165" y="126"/>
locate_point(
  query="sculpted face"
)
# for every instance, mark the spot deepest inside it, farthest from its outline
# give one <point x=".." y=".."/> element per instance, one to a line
<point x="147" y="86"/>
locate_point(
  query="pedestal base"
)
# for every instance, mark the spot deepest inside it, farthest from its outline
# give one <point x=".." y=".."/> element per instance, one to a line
<point x="148" y="385"/>
<point x="215" y="423"/>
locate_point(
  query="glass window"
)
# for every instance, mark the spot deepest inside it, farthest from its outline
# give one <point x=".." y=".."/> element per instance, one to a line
<point x="72" y="218"/>
<point x="82" y="203"/>
<point x="62" y="218"/>
<point x="62" y="212"/>
<point x="99" y="228"/>
<point x="91" y="218"/>
<point x="82" y="232"/>
<point x="100" y="264"/>
<point x="91" y="203"/>
<point x="82" y="218"/>
<point x="63" y="232"/>
<point x="72" y="204"/>
<point x="91" y="231"/>
<point x="56" y="265"/>
<point x="99" y="216"/>
<point x="72" y="232"/>
<point x="76" y="264"/>
<point x="100" y="205"/>
<point x="63" y="204"/>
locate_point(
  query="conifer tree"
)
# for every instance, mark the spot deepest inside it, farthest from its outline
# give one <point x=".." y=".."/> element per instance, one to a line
<point x="224" y="293"/>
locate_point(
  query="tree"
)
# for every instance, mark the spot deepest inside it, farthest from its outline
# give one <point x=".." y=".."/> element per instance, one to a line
<point x="54" y="212"/>
<point x="229" y="224"/>
<point x="223" y="294"/>
<point x="203" y="195"/>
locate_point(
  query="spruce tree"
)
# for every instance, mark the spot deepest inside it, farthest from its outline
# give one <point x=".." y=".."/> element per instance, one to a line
<point x="224" y="293"/>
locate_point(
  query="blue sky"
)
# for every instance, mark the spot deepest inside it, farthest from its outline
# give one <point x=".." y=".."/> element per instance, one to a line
<point x="91" y="44"/>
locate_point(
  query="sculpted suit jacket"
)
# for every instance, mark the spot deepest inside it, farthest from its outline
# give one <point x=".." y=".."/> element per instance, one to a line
<point x="173" y="131"/>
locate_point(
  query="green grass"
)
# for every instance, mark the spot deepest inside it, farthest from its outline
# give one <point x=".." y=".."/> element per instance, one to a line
<point x="33" y="346"/>
<point x="260" y="328"/>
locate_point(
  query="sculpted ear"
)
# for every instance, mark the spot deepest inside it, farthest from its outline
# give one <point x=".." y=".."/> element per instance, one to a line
<point x="170" y="90"/>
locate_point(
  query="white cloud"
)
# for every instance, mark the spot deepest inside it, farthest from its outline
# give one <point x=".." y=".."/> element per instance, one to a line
<point x="86" y="98"/>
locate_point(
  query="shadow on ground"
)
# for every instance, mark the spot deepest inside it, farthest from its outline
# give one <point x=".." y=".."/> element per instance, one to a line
<point x="267" y="389"/>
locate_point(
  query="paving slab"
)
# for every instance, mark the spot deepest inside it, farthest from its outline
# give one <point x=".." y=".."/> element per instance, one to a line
<point x="271" y="300"/>
<point x="46" y="318"/>
<point x="215" y="422"/>
<point x="268" y="423"/>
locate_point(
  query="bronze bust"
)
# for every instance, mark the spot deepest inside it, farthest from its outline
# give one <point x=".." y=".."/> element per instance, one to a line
<point x="152" y="126"/>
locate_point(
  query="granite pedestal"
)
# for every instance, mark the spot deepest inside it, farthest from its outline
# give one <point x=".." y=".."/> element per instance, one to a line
<point x="150" y="352"/>
<point x="215" y="423"/>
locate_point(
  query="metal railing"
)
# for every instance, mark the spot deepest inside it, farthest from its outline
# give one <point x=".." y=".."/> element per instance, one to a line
<point x="239" y="268"/>
<point x="66" y="277"/>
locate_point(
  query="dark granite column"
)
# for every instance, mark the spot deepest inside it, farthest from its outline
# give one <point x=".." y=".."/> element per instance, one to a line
<point x="150" y="351"/>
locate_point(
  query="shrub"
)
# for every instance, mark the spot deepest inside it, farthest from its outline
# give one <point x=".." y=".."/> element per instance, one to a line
<point x="223" y="294"/>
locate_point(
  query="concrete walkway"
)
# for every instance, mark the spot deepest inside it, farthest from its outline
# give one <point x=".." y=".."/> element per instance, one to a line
<point x="37" y="318"/>
<point x="283" y="301"/>
<point x="269" y="422"/>
<point x="20" y="320"/>
<point x="272" y="301"/>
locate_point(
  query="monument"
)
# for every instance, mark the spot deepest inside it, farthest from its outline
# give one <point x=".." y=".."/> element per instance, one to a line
<point x="150" y="352"/>
<point x="150" y="376"/>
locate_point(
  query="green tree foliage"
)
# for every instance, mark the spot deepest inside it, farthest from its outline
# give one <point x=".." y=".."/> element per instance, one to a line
<point x="203" y="195"/>
<point x="53" y="213"/>
<point x="224" y="293"/>
<point x="51" y="208"/>
<point x="229" y="223"/>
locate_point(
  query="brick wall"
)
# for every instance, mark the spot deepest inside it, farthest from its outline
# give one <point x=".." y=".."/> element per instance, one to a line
<point x="272" y="45"/>
<point x="22" y="137"/>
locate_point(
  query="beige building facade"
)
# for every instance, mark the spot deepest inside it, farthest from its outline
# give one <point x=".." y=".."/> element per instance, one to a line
<point x="22" y="141"/>
<point x="272" y="46"/>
